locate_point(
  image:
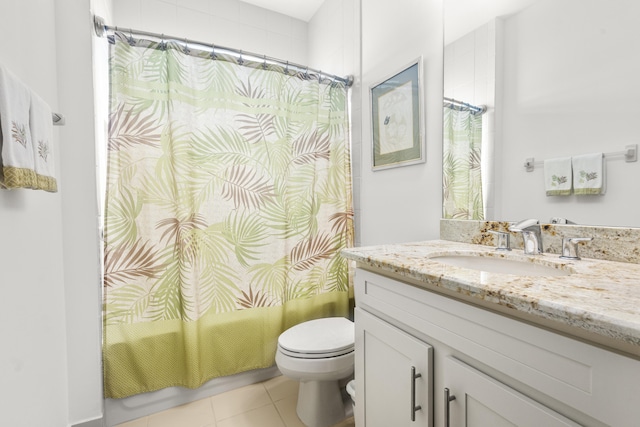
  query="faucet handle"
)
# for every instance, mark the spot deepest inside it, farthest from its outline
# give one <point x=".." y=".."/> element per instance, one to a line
<point x="559" y="220"/>
<point x="502" y="240"/>
<point x="570" y="247"/>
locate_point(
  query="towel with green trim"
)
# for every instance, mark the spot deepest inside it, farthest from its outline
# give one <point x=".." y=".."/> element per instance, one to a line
<point x="588" y="174"/>
<point x="557" y="176"/>
<point x="16" y="148"/>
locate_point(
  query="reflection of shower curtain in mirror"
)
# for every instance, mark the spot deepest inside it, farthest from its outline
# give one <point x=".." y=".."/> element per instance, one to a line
<point x="462" y="181"/>
<point x="228" y="202"/>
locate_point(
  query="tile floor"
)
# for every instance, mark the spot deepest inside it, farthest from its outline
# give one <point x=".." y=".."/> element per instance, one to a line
<point x="271" y="403"/>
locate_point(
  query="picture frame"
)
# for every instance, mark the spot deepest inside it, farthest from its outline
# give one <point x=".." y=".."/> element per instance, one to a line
<point x="397" y="119"/>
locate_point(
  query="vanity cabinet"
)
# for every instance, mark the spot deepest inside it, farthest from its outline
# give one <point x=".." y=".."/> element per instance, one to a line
<point x="474" y="399"/>
<point x="501" y="370"/>
<point x="397" y="382"/>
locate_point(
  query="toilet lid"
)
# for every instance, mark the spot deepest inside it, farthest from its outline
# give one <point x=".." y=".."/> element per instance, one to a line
<point x="328" y="336"/>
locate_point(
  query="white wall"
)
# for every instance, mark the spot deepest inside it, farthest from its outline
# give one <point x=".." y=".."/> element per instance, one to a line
<point x="228" y="23"/>
<point x="402" y="204"/>
<point x="571" y="90"/>
<point x="33" y="360"/>
<point x="469" y="66"/>
<point x="79" y="208"/>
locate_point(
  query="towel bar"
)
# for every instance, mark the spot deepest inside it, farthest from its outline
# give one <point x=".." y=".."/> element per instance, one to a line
<point x="630" y="154"/>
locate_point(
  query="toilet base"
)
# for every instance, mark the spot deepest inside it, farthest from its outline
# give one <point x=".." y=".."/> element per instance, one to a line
<point x="320" y="403"/>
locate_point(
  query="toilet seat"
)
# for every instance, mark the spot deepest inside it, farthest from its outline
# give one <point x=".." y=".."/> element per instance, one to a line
<point x="314" y="355"/>
<point x="318" y="339"/>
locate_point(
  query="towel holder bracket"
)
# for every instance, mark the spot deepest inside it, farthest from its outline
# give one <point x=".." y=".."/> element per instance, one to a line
<point x="529" y="164"/>
<point x="631" y="153"/>
<point x="58" y="119"/>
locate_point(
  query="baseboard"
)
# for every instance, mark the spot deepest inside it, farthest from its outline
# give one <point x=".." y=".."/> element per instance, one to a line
<point x="118" y="411"/>
<point x="98" y="422"/>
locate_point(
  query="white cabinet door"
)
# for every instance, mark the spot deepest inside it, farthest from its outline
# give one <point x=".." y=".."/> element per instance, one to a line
<point x="393" y="375"/>
<point x="482" y="401"/>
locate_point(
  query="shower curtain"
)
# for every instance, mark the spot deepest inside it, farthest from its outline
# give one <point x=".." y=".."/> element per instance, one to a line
<point x="228" y="202"/>
<point x="461" y="166"/>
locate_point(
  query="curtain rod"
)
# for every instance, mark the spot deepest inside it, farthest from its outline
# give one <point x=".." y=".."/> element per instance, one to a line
<point x="481" y="109"/>
<point x="102" y="30"/>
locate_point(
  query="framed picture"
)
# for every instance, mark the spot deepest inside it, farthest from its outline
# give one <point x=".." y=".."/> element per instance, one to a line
<point x="396" y="117"/>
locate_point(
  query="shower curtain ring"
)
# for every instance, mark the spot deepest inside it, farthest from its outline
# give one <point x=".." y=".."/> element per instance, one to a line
<point x="132" y="42"/>
<point x="320" y="76"/>
<point x="186" y="49"/>
<point x="264" y="64"/>
<point x="240" y="60"/>
<point x="286" y="70"/>
<point x="162" y="45"/>
<point x="306" y="73"/>
<point x="213" y="51"/>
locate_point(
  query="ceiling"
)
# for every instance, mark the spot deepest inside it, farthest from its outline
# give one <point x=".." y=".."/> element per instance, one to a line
<point x="299" y="9"/>
<point x="459" y="12"/>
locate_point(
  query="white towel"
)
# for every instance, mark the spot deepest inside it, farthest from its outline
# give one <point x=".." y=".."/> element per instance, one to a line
<point x="41" y="124"/>
<point x="16" y="147"/>
<point x="557" y="176"/>
<point x="588" y="174"/>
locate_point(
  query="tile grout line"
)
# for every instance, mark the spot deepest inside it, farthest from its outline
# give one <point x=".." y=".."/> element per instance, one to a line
<point x="213" y="410"/>
<point x="284" y="422"/>
<point x="273" y="403"/>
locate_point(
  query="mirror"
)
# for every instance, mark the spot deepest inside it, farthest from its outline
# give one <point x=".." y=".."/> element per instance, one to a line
<point x="559" y="78"/>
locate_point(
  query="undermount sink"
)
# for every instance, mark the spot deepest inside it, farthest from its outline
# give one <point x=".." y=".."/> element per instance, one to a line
<point x="502" y="265"/>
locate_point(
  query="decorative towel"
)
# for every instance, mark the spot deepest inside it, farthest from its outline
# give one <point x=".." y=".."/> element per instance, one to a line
<point x="588" y="174"/>
<point x="16" y="147"/>
<point x="557" y="176"/>
<point x="41" y="124"/>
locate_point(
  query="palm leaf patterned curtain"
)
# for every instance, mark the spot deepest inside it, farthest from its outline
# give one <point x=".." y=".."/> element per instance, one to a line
<point x="228" y="202"/>
<point x="461" y="172"/>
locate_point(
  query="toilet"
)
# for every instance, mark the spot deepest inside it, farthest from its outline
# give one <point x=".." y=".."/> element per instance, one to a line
<point x="320" y="355"/>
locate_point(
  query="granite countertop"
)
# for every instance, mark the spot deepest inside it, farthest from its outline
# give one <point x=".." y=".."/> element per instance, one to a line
<point x="599" y="297"/>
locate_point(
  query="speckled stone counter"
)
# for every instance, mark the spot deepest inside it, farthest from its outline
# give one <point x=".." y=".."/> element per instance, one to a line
<point x="601" y="298"/>
<point x="609" y="243"/>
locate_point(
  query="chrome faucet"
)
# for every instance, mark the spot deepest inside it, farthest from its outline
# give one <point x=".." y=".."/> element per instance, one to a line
<point x="531" y="235"/>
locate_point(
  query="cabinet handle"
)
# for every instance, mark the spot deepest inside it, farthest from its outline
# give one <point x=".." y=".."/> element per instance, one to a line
<point x="447" y="398"/>
<point x="414" y="408"/>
